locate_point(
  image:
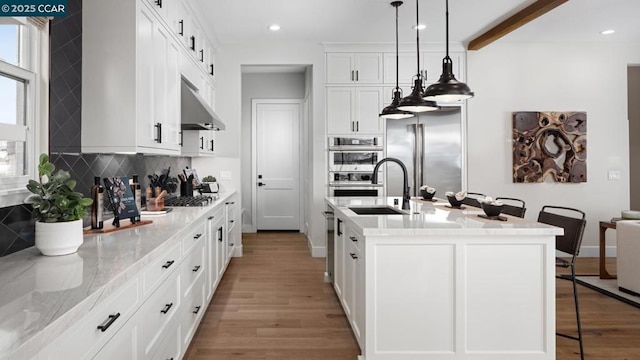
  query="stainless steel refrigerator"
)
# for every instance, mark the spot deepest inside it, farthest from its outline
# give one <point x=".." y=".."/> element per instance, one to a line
<point x="430" y="146"/>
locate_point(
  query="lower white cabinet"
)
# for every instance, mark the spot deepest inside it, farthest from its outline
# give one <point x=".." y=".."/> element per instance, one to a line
<point x="156" y="313"/>
<point x="92" y="332"/>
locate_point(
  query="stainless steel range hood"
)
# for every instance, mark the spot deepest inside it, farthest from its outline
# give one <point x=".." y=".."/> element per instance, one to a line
<point x="196" y="114"/>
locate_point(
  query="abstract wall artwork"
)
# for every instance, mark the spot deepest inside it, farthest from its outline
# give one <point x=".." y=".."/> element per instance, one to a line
<point x="549" y="144"/>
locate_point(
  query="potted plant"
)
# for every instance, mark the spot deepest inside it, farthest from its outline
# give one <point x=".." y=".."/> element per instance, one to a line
<point x="57" y="209"/>
<point x="208" y="179"/>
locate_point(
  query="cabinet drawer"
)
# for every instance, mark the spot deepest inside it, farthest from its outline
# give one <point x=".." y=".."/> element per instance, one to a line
<point x="158" y="311"/>
<point x="158" y="270"/>
<point x="193" y="237"/>
<point x="97" y="327"/>
<point x="193" y="266"/>
<point x="193" y="310"/>
<point x="170" y="348"/>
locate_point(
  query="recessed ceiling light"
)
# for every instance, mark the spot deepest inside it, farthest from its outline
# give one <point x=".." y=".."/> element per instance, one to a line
<point x="419" y="27"/>
<point x="274" y="27"/>
<point x="607" y="32"/>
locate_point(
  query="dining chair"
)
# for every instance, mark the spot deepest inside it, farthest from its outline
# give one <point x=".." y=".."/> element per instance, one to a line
<point x="513" y="206"/>
<point x="472" y="199"/>
<point x="573" y="222"/>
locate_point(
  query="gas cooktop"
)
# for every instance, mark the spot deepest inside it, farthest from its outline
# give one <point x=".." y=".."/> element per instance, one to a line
<point x="199" y="200"/>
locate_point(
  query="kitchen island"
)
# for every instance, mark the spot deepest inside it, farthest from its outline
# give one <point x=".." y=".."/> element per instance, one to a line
<point x="442" y="283"/>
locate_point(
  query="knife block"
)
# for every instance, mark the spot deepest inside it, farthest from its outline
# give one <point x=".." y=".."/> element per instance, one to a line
<point x="186" y="188"/>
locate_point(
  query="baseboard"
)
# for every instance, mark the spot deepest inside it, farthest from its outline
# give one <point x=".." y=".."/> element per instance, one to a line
<point x="316" y="251"/>
<point x="594" y="251"/>
<point x="237" y="251"/>
<point x="248" y="229"/>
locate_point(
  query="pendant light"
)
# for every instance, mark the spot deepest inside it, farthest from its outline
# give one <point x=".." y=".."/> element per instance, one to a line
<point x="448" y="89"/>
<point x="415" y="102"/>
<point x="392" y="111"/>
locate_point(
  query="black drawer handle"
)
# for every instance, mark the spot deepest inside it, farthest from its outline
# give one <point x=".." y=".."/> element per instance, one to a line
<point x="353" y="238"/>
<point x="166" y="308"/>
<point x="210" y="218"/>
<point x="353" y="256"/>
<point x="195" y="269"/>
<point x="197" y="310"/>
<point x="231" y="221"/>
<point x="231" y="244"/>
<point x="168" y="264"/>
<point x="197" y="236"/>
<point x="159" y="3"/>
<point x="211" y="69"/>
<point x="181" y="27"/>
<point x="107" y="324"/>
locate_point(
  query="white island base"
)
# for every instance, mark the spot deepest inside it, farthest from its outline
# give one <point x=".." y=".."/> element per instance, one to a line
<point x="446" y="284"/>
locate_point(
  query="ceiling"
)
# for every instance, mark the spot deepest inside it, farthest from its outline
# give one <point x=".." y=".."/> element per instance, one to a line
<point x="373" y="21"/>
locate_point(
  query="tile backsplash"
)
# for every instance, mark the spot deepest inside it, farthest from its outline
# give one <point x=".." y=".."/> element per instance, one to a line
<point x="65" y="105"/>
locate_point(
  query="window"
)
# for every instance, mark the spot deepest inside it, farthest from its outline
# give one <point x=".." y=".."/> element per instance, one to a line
<point x="18" y="103"/>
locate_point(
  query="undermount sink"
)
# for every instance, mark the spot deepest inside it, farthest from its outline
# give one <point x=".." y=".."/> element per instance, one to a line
<point x="376" y="210"/>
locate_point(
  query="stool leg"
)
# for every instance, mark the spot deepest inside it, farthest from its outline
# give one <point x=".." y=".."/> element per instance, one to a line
<point x="575" y="299"/>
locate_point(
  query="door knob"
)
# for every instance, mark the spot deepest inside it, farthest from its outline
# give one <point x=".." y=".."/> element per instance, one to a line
<point x="262" y="184"/>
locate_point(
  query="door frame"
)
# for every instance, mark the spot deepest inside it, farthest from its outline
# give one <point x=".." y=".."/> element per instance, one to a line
<point x="254" y="157"/>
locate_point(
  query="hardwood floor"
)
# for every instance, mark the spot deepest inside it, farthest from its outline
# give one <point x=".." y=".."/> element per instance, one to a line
<point x="273" y="303"/>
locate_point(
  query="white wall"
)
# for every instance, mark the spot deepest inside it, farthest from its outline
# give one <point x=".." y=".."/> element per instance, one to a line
<point x="262" y="86"/>
<point x="229" y="60"/>
<point x="552" y="77"/>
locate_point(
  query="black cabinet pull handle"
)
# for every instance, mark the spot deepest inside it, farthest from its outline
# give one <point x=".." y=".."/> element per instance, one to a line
<point x="211" y="145"/>
<point x="181" y="138"/>
<point x="210" y="218"/>
<point x="110" y="320"/>
<point x="201" y="55"/>
<point x="181" y="22"/>
<point x="202" y="143"/>
<point x="198" y="236"/>
<point x="231" y="244"/>
<point x="353" y="238"/>
<point x="339" y="227"/>
<point x="168" y="264"/>
<point x="353" y="256"/>
<point x="166" y="308"/>
<point x="231" y="220"/>
<point x="197" y="310"/>
<point x="159" y="3"/>
<point x="211" y="69"/>
<point x="195" y="269"/>
<point x="357" y="125"/>
<point x="158" y="127"/>
<point x="193" y="43"/>
<point x="220" y="234"/>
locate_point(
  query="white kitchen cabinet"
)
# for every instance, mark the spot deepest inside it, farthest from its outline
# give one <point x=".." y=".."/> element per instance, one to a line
<point x="350" y="68"/>
<point x="87" y="336"/>
<point x="354" y="282"/>
<point x="170" y="346"/>
<point x="183" y="24"/>
<point x="123" y="345"/>
<point x="338" y="271"/>
<point x="131" y="80"/>
<point x="198" y="143"/>
<point x="430" y="67"/>
<point x="233" y="229"/>
<point x="165" y="9"/>
<point x="354" y="110"/>
<point x="214" y="222"/>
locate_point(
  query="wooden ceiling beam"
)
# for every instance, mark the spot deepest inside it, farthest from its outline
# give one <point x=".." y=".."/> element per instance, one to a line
<point x="531" y="12"/>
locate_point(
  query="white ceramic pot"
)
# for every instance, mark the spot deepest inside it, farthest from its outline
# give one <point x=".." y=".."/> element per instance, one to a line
<point x="61" y="238"/>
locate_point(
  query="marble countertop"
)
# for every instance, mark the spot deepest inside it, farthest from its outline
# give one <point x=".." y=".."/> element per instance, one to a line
<point x="433" y="218"/>
<point x="41" y="296"/>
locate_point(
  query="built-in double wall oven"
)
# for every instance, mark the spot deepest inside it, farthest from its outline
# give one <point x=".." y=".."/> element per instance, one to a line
<point x="351" y="163"/>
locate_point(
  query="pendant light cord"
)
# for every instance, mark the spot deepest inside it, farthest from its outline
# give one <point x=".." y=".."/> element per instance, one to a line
<point x="418" y="40"/>
<point x="447" y="24"/>
<point x="397" y="57"/>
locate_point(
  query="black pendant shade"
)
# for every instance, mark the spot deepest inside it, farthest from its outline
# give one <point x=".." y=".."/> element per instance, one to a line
<point x="414" y="102"/>
<point x="448" y="89"/>
<point x="392" y="111"/>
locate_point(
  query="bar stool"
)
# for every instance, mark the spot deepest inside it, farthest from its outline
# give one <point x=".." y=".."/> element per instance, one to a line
<point x="568" y="243"/>
<point x="513" y="210"/>
<point x="473" y="200"/>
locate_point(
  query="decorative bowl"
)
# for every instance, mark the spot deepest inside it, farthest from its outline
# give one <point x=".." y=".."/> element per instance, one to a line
<point x="427" y="195"/>
<point x="453" y="201"/>
<point x="491" y="209"/>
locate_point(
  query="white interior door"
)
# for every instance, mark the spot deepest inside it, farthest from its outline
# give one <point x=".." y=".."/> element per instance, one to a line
<point x="277" y="166"/>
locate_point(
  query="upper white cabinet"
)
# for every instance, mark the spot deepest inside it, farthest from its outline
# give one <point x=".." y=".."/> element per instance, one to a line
<point x="430" y="67"/>
<point x="198" y="143"/>
<point x="354" y="109"/>
<point x="130" y="92"/>
<point x="350" y="68"/>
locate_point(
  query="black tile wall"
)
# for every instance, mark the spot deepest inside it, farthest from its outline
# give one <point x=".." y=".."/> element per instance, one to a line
<point x="65" y="104"/>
